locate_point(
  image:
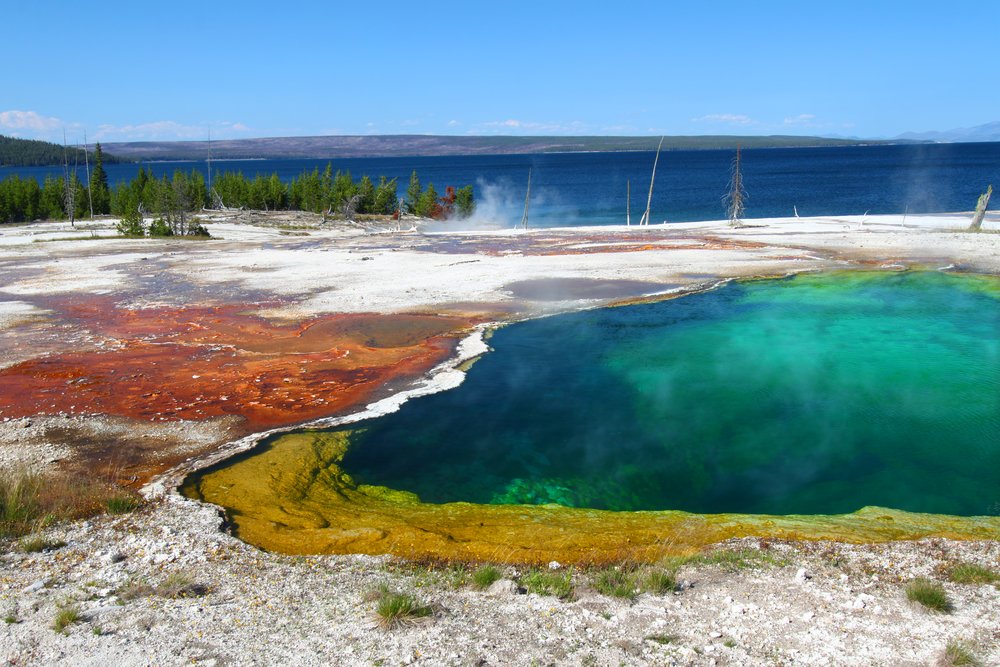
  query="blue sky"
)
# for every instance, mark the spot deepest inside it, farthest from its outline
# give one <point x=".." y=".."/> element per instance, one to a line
<point x="130" y="71"/>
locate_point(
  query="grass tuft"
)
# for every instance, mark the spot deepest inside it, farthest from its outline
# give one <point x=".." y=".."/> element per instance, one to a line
<point x="957" y="654"/>
<point x="663" y="639"/>
<point x="659" y="582"/>
<point x="180" y="585"/>
<point x="19" y="501"/>
<point x="66" y="617"/>
<point x="485" y="576"/>
<point x="615" y="582"/>
<point x="738" y="559"/>
<point x="545" y="582"/>
<point x="122" y="503"/>
<point x="133" y="589"/>
<point x="968" y="573"/>
<point x="930" y="594"/>
<point x="37" y="544"/>
<point x="29" y="501"/>
<point x="395" y="610"/>
<point x="175" y="585"/>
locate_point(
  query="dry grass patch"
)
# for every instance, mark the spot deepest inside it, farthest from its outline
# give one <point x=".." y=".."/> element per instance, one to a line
<point x="957" y="654"/>
<point x="30" y="501"/>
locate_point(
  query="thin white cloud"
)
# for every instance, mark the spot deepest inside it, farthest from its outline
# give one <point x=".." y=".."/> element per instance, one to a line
<point x="514" y="126"/>
<point x="801" y="119"/>
<point x="33" y="125"/>
<point x="454" y="123"/>
<point x="726" y="118"/>
<point x="28" y="120"/>
<point x="169" y="130"/>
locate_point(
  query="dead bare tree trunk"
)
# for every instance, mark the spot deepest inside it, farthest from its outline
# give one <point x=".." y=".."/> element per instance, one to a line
<point x="736" y="195"/>
<point x="649" y="201"/>
<point x="977" y="218"/>
<point x="69" y="192"/>
<point x="628" y="203"/>
<point x="527" y="201"/>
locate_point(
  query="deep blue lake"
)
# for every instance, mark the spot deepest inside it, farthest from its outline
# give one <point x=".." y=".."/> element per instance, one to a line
<point x="590" y="188"/>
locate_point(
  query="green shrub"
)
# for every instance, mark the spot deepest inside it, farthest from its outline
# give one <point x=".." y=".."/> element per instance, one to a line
<point x="485" y="576"/>
<point x="930" y="594"/>
<point x="160" y="227"/>
<point x="131" y="224"/>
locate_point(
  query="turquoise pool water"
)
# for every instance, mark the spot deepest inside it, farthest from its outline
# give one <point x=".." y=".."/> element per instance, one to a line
<point x="818" y="394"/>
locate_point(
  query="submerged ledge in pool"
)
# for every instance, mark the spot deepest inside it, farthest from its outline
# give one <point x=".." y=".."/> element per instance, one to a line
<point x="806" y="397"/>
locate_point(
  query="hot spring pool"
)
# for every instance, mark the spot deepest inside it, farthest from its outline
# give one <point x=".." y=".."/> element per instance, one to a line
<point x="814" y="395"/>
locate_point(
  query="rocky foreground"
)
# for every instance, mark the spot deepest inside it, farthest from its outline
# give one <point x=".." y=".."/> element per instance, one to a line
<point x="167" y="586"/>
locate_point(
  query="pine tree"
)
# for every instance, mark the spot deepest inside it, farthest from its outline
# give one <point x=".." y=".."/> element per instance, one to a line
<point x="413" y="192"/>
<point x="99" y="184"/>
<point x="366" y="196"/>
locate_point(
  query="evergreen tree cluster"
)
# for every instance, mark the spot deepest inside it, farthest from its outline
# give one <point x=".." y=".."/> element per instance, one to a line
<point x="426" y="203"/>
<point x="172" y="199"/>
<point x="32" y="153"/>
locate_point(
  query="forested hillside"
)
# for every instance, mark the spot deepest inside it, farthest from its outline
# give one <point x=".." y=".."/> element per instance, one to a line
<point x="31" y="153"/>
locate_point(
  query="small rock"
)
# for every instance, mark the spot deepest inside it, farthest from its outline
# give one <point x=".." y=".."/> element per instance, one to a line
<point x="554" y="565"/>
<point x="714" y="635"/>
<point x="113" y="557"/>
<point x="34" y="586"/>
<point x="862" y="601"/>
<point x="502" y="587"/>
<point x="808" y="616"/>
<point x="802" y="575"/>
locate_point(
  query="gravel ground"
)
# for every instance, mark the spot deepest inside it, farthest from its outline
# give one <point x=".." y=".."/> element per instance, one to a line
<point x="781" y="604"/>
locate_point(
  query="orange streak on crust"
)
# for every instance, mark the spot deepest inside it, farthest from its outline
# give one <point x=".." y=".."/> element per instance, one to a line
<point x="198" y="363"/>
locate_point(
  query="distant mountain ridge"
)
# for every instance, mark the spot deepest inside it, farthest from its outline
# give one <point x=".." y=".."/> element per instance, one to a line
<point x="987" y="132"/>
<point x="399" y="145"/>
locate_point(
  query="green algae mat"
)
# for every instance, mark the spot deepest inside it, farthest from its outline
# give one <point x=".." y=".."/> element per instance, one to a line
<point x="794" y="408"/>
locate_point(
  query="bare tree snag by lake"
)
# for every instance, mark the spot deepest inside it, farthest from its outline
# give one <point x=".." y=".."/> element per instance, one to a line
<point x="69" y="193"/>
<point x="736" y="196"/>
<point x="527" y="200"/>
<point x="977" y="218"/>
<point x="628" y="203"/>
<point x="649" y="201"/>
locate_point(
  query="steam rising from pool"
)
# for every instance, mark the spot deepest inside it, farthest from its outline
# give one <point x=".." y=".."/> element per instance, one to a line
<point x="813" y="395"/>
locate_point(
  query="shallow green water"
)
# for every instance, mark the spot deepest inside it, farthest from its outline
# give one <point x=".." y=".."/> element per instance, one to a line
<point x="817" y="394"/>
